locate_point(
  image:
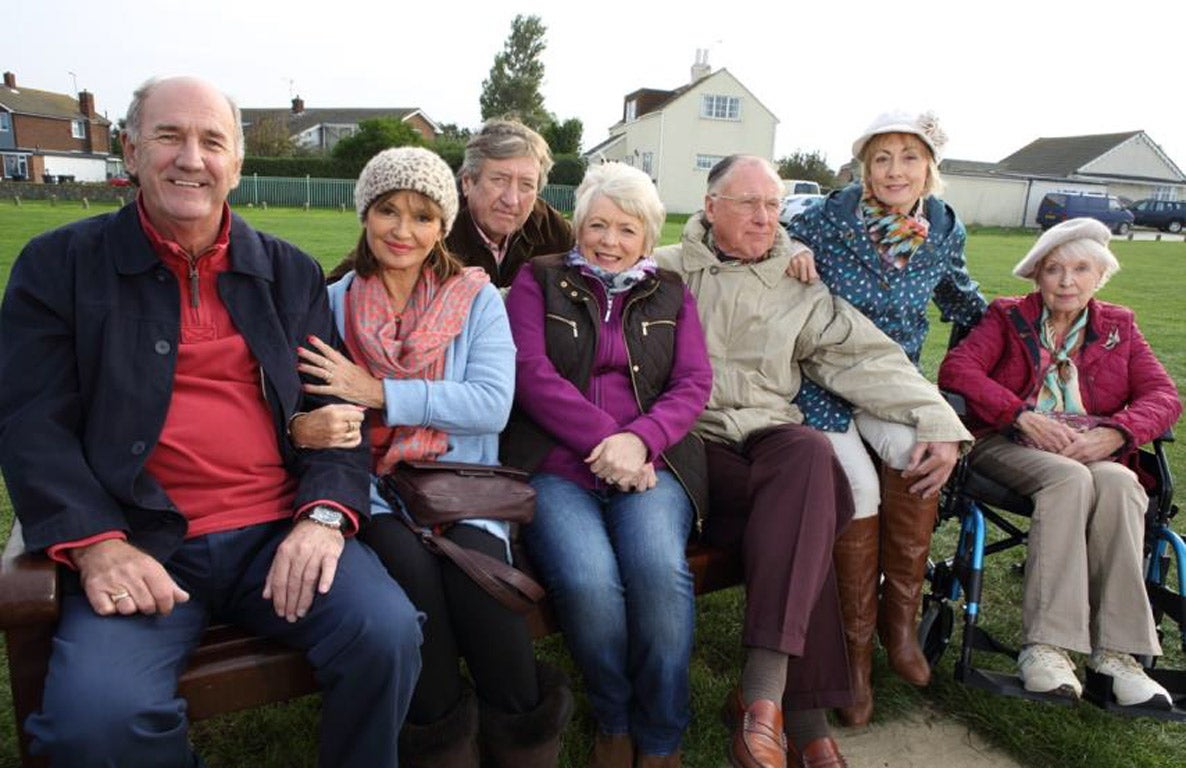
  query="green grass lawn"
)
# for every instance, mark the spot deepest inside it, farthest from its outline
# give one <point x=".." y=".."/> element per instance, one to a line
<point x="1151" y="282"/>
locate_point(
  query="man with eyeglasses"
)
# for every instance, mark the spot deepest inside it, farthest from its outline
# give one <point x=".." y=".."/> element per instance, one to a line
<point x="776" y="489"/>
<point x="503" y="222"/>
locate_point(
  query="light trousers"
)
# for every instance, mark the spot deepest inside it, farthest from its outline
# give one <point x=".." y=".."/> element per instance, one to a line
<point x="1084" y="586"/>
<point x="891" y="442"/>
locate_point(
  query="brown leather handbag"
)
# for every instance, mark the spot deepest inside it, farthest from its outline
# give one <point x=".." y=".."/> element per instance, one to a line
<point x="437" y="494"/>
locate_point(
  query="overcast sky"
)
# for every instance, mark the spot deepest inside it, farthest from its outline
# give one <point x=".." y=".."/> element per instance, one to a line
<point x="999" y="73"/>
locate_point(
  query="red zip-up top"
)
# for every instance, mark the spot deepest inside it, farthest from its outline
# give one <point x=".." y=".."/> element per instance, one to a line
<point x="217" y="456"/>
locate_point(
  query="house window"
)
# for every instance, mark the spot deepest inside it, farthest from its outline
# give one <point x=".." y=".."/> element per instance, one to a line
<point x="648" y="162"/>
<point x="706" y="162"/>
<point x="720" y="107"/>
<point x="78" y="129"/>
<point x="631" y="110"/>
<point x="5" y="122"/>
<point x="16" y="167"/>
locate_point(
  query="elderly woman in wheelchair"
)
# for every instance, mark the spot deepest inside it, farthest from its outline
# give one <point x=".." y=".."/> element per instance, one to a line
<point x="1061" y="390"/>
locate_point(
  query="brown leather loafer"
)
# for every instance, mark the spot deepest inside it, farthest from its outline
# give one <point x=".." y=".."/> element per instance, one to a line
<point x="757" y="739"/>
<point x="821" y="753"/>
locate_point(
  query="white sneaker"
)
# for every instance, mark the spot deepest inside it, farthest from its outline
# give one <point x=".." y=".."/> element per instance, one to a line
<point x="1048" y="669"/>
<point x="1130" y="684"/>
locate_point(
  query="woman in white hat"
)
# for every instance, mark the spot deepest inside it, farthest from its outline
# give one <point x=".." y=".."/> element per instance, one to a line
<point x="431" y="368"/>
<point x="1062" y="389"/>
<point x="889" y="247"/>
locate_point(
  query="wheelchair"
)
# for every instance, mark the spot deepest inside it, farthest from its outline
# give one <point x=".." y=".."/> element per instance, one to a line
<point x="974" y="501"/>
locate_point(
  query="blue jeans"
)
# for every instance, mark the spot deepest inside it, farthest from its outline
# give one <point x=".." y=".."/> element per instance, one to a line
<point x="111" y="691"/>
<point x="614" y="567"/>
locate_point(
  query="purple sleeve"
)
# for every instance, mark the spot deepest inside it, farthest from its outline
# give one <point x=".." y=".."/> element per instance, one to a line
<point x="551" y="400"/>
<point x="688" y="387"/>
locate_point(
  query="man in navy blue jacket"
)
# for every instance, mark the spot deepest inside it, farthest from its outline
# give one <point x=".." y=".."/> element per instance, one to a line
<point x="147" y="378"/>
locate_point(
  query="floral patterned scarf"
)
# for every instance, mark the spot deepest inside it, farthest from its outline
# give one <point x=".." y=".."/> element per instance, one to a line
<point x="614" y="282"/>
<point x="896" y="235"/>
<point x="1060" y="383"/>
<point x="408" y="345"/>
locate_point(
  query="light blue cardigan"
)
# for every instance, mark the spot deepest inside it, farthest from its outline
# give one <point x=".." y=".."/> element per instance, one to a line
<point x="473" y="400"/>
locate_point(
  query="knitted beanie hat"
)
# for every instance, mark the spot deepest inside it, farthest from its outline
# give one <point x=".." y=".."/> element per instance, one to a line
<point x="414" y="168"/>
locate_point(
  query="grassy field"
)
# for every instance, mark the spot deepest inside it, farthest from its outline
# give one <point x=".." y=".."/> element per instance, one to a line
<point x="1040" y="736"/>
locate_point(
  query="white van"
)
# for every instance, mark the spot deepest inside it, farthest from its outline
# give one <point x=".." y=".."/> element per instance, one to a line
<point x="799" y="187"/>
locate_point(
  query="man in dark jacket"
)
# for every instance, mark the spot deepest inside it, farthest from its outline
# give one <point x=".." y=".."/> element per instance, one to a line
<point x="503" y="222"/>
<point x="147" y="377"/>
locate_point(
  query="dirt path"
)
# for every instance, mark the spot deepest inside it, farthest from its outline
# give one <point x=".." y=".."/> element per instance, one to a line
<point x="925" y="739"/>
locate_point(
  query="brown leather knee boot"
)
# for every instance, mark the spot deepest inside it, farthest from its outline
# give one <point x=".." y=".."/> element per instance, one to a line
<point x="855" y="556"/>
<point x="907" y="521"/>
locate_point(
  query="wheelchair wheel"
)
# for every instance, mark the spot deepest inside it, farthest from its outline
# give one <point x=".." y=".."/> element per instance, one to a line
<point x="935" y="628"/>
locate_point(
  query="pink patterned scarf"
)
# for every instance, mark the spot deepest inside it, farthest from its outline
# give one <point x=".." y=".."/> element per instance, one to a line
<point x="409" y="345"/>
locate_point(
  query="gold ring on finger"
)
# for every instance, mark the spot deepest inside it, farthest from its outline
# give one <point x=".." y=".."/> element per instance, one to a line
<point x="117" y="596"/>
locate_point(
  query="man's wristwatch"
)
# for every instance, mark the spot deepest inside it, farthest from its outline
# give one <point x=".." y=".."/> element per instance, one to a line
<point x="327" y="516"/>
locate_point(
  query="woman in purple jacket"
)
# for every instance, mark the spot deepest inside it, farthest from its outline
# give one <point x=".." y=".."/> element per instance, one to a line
<point x="1062" y="389"/>
<point x="611" y="373"/>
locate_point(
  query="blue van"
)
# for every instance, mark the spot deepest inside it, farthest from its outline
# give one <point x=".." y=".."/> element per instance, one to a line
<point x="1057" y="207"/>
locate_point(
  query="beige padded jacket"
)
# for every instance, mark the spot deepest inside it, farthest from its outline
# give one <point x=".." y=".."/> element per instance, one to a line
<point x="766" y="330"/>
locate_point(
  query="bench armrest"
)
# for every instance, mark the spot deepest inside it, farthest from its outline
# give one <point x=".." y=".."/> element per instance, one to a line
<point x="28" y="585"/>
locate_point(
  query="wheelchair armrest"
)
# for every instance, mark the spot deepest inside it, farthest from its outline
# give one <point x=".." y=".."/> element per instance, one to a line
<point x="957" y="402"/>
<point x="28" y="585"/>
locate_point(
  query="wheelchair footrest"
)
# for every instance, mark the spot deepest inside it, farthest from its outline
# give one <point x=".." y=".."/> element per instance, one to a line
<point x="1004" y="684"/>
<point x="1099" y="692"/>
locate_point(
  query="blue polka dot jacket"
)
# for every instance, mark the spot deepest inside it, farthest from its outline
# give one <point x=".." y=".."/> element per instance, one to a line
<point x="894" y="299"/>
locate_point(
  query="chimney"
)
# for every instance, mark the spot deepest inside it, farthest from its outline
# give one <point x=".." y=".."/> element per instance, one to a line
<point x="86" y="103"/>
<point x="701" y="69"/>
<point x="10" y="79"/>
<point x="298" y="105"/>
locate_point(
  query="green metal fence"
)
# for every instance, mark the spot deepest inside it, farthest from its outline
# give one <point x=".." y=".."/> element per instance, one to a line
<point x="309" y="192"/>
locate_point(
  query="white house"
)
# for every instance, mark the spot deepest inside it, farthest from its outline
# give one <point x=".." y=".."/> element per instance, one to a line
<point x="1129" y="165"/>
<point x="677" y="136"/>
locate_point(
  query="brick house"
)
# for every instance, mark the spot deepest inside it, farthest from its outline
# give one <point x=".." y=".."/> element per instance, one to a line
<point x="321" y="129"/>
<point x="45" y="135"/>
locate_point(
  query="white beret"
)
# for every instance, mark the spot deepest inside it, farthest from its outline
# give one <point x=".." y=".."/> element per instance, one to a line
<point x="1065" y="232"/>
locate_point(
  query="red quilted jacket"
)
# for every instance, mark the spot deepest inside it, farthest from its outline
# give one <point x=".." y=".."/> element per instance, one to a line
<point x="996" y="370"/>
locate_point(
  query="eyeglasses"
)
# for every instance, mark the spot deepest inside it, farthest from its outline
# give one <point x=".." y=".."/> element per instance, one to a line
<point x="750" y="204"/>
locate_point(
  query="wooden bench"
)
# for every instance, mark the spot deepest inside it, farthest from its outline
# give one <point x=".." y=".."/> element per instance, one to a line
<point x="230" y="670"/>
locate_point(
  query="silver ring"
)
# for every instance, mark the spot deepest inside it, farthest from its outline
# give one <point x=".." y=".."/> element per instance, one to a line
<point x="117" y="596"/>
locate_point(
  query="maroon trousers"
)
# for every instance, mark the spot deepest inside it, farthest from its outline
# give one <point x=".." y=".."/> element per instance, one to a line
<point x="784" y="498"/>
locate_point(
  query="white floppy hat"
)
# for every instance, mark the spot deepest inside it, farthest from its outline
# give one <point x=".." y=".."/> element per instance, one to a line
<point x="1065" y="232"/>
<point x="924" y="126"/>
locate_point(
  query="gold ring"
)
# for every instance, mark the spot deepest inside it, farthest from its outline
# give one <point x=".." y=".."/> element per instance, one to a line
<point x="117" y="596"/>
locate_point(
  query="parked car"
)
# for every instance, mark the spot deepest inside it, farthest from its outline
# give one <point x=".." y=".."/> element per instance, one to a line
<point x="1166" y="215"/>
<point x="800" y="187"/>
<point x="793" y="205"/>
<point x="119" y="181"/>
<point x="1057" y="207"/>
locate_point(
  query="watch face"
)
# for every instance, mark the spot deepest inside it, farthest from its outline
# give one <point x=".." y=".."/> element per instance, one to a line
<point x="326" y="516"/>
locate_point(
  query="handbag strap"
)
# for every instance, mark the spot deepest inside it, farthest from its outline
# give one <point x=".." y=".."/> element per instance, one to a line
<point x="505" y="583"/>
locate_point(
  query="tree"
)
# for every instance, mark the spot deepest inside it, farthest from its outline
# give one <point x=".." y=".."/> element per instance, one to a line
<point x="117" y="147"/>
<point x="564" y="138"/>
<point x="268" y="138"/>
<point x="371" y="138"/>
<point x="450" y="132"/>
<point x="809" y="166"/>
<point x="512" y="89"/>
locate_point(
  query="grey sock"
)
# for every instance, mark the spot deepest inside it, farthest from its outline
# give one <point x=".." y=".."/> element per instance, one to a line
<point x="805" y="726"/>
<point x="764" y="675"/>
